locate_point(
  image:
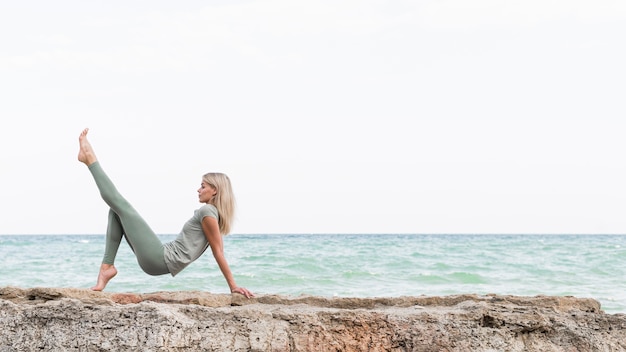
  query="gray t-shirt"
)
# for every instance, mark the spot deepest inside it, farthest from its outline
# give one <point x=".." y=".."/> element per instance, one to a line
<point x="190" y="243"/>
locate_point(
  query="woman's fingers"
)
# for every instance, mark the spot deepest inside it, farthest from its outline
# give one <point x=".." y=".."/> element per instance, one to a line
<point x="244" y="291"/>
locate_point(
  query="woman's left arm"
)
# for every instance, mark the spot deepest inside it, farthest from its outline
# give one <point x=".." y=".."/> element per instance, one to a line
<point x="213" y="235"/>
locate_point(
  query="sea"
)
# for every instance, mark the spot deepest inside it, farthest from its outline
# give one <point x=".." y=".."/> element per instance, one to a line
<point x="346" y="265"/>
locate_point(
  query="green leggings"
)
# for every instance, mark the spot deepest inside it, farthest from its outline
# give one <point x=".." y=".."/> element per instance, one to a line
<point x="125" y="221"/>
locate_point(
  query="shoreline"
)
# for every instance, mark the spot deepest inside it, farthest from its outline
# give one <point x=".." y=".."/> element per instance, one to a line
<point x="67" y="318"/>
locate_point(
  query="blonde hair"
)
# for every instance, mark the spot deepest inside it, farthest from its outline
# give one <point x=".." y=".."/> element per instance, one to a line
<point x="224" y="199"/>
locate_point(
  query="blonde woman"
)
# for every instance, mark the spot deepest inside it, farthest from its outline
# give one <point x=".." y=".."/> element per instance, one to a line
<point x="205" y="229"/>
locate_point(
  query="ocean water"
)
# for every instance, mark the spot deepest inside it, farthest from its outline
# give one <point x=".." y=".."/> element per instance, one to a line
<point x="384" y="265"/>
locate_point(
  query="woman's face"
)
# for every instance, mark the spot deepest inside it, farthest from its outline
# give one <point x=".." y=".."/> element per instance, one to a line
<point x="206" y="192"/>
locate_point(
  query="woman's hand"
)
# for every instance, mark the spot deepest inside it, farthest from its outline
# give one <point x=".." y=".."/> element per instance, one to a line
<point x="242" y="290"/>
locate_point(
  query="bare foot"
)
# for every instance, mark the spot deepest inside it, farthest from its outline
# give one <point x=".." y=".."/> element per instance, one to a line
<point x="107" y="272"/>
<point x="86" y="154"/>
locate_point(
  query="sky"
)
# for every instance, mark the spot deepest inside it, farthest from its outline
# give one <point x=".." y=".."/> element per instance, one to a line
<point x="426" y="117"/>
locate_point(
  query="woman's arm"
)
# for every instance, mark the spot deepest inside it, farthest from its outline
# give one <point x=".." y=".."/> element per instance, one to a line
<point x="213" y="235"/>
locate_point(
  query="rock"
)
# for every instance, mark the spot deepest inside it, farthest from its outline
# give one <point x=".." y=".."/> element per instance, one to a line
<point x="60" y="319"/>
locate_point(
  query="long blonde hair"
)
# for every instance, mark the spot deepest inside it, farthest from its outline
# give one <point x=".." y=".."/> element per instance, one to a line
<point x="224" y="199"/>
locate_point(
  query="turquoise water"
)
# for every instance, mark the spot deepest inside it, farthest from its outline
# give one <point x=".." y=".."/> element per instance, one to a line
<point x="347" y="265"/>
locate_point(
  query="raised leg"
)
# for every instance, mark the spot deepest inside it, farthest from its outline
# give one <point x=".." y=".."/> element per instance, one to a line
<point x="125" y="221"/>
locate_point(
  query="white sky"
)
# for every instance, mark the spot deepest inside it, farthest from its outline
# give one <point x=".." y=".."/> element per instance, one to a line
<point x="442" y="116"/>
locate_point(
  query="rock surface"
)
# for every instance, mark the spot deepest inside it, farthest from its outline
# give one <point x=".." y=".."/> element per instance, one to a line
<point x="64" y="319"/>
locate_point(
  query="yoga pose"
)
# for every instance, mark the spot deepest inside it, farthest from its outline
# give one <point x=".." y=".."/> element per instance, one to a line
<point x="203" y="230"/>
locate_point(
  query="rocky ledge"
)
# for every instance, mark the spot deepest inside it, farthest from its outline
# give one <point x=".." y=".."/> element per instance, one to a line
<point x="64" y="319"/>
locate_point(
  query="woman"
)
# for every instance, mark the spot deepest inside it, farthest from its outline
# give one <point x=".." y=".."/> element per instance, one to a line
<point x="203" y="230"/>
